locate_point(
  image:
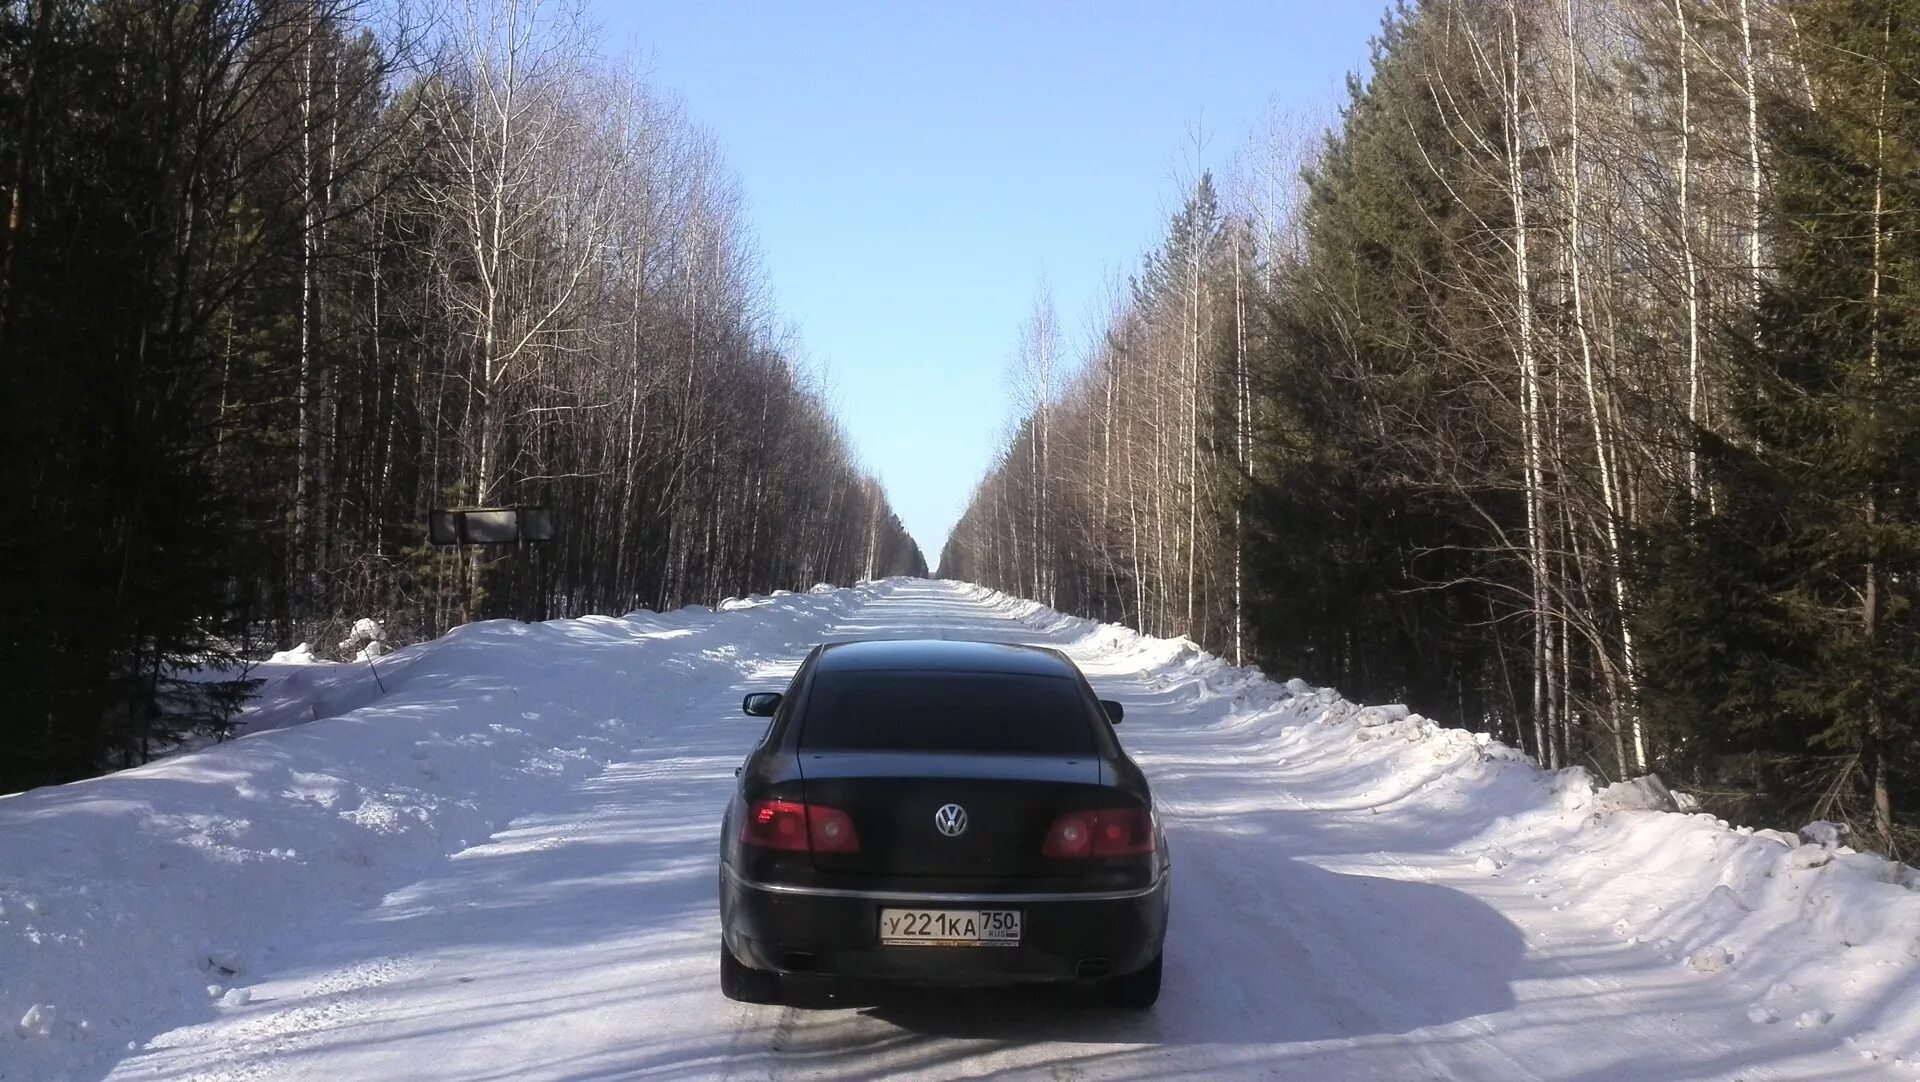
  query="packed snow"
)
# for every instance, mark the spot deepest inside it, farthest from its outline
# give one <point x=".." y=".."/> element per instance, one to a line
<point x="492" y="856"/>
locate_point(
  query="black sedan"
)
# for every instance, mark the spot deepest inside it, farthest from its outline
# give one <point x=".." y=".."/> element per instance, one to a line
<point x="936" y="812"/>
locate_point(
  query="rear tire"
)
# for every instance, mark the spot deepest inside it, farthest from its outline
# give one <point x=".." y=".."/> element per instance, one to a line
<point x="1134" y="991"/>
<point x="744" y="985"/>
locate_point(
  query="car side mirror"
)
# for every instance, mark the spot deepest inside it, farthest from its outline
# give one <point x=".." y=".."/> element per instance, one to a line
<point x="1115" y="711"/>
<point x="761" y="704"/>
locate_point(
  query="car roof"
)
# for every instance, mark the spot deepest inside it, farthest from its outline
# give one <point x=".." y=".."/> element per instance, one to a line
<point x="943" y="655"/>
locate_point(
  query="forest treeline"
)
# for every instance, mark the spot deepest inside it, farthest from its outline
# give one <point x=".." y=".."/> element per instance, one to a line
<point x="1568" y="387"/>
<point x="277" y="277"/>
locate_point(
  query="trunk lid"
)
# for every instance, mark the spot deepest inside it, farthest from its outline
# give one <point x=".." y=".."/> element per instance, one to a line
<point x="893" y="798"/>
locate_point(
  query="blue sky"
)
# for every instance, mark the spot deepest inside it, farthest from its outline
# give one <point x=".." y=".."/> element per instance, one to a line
<point x="913" y="170"/>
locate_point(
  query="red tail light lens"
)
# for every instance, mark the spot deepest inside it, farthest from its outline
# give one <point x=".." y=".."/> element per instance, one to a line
<point x="831" y="830"/>
<point x="789" y="824"/>
<point x="1117" y="832"/>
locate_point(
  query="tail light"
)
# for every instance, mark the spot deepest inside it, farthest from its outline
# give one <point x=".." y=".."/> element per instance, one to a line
<point x="789" y="824"/>
<point x="1117" y="832"/>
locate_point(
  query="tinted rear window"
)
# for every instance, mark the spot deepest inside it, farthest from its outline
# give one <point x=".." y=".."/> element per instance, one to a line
<point x="993" y="713"/>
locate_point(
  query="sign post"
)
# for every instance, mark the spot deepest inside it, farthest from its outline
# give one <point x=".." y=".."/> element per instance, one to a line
<point x="492" y="527"/>
<point x="449" y="526"/>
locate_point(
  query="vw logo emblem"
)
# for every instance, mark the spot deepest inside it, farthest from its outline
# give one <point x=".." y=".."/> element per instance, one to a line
<point x="951" y="820"/>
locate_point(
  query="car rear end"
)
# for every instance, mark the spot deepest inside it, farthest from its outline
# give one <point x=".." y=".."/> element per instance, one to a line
<point x="946" y="827"/>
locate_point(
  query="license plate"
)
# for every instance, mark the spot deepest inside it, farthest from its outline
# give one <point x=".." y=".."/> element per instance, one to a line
<point x="950" y="927"/>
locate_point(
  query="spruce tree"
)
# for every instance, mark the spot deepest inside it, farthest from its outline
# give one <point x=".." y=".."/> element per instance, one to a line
<point x="1783" y="618"/>
<point x="1366" y="555"/>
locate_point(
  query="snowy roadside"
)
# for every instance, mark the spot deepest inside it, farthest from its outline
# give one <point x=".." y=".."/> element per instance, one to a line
<point x="1818" y="936"/>
<point x="141" y="895"/>
<point x="1363" y="892"/>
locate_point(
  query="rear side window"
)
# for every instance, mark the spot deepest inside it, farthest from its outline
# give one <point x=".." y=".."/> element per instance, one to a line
<point x="988" y="713"/>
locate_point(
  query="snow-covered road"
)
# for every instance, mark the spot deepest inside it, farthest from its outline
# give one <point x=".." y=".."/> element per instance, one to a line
<point x="1358" y="895"/>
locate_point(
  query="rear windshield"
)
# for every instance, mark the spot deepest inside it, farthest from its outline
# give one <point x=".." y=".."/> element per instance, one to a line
<point x="991" y="713"/>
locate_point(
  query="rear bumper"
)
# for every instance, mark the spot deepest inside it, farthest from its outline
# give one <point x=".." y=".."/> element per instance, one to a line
<point x="831" y="932"/>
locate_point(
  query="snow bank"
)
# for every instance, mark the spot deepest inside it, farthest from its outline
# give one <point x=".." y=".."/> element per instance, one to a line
<point x="1813" y="930"/>
<point x="163" y="896"/>
<point x="150" y="894"/>
<point x="300" y="655"/>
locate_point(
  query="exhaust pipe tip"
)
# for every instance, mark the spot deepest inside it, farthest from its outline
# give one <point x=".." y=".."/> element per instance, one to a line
<point x="1093" y="967"/>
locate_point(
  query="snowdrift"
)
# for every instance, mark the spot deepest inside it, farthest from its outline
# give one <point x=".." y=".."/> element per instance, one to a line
<point x="159" y="896"/>
<point x="1826" y="937"/>
<point x="147" y="892"/>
